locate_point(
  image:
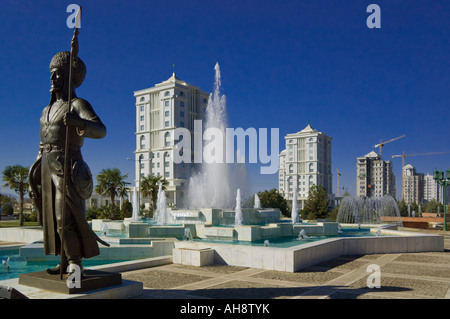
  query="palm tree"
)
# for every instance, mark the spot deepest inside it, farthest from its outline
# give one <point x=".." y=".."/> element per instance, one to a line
<point x="16" y="178"/>
<point x="150" y="187"/>
<point x="111" y="182"/>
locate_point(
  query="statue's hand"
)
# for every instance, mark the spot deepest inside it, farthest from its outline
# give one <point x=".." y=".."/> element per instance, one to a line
<point x="73" y="119"/>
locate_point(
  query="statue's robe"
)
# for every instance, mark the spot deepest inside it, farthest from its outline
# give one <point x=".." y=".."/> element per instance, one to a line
<point x="47" y="179"/>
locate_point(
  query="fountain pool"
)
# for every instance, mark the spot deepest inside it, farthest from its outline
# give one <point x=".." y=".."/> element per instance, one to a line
<point x="19" y="265"/>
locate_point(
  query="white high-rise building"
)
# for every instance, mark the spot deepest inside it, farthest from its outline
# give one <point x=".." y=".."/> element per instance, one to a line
<point x="159" y="111"/>
<point x="306" y="161"/>
<point x="413" y="185"/>
<point x="374" y="177"/>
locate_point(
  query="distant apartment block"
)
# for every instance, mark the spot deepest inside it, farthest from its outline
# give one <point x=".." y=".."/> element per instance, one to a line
<point x="306" y="161"/>
<point x="159" y="111"/>
<point x="413" y="185"/>
<point x="374" y="177"/>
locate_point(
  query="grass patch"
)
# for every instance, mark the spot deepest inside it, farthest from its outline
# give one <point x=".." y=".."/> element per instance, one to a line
<point x="15" y="223"/>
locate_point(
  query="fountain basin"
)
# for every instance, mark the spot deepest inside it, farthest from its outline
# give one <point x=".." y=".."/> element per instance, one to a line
<point x="295" y="258"/>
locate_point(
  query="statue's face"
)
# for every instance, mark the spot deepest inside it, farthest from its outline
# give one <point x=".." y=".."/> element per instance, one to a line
<point x="56" y="80"/>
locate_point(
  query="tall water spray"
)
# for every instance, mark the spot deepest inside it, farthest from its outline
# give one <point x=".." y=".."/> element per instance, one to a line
<point x="294" y="213"/>
<point x="238" y="218"/>
<point x="135" y="215"/>
<point x="257" y="204"/>
<point x="216" y="181"/>
<point x="161" y="209"/>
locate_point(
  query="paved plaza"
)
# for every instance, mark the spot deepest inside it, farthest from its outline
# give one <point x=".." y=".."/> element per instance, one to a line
<point x="403" y="276"/>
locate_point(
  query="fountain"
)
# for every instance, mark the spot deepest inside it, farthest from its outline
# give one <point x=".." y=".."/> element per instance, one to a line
<point x="161" y="217"/>
<point x="370" y="210"/>
<point x="302" y="235"/>
<point x="187" y="234"/>
<point x="215" y="183"/>
<point x="257" y="204"/>
<point x="213" y="232"/>
<point x="238" y="219"/>
<point x="135" y="201"/>
<point x="104" y="229"/>
<point x="294" y="213"/>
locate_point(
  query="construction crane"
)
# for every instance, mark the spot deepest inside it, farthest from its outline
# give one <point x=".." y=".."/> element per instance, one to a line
<point x="382" y="143"/>
<point x="338" y="174"/>
<point x="403" y="163"/>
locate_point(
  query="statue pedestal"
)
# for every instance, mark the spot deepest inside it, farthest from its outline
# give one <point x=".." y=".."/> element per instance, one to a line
<point x="92" y="280"/>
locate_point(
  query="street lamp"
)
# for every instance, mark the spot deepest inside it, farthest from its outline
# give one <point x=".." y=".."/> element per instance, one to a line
<point x="444" y="181"/>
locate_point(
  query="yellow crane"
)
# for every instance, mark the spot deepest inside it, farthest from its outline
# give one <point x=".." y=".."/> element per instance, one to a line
<point x="382" y="143"/>
<point x="338" y="174"/>
<point x="403" y="163"/>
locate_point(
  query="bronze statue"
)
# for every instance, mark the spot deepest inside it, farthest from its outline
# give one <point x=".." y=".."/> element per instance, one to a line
<point x="66" y="116"/>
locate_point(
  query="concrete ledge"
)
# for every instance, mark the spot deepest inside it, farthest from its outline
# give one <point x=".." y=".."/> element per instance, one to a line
<point x="134" y="264"/>
<point x="35" y="251"/>
<point x="193" y="256"/>
<point x="21" y="234"/>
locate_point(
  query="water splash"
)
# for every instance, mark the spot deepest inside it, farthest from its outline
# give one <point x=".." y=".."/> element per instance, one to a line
<point x="257" y="204"/>
<point x="238" y="219"/>
<point x="161" y="209"/>
<point x="216" y="181"/>
<point x="302" y="234"/>
<point x="370" y="210"/>
<point x="187" y="234"/>
<point x="294" y="213"/>
<point x="136" y="208"/>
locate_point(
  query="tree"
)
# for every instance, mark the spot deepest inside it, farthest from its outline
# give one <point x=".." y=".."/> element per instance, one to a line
<point x="273" y="199"/>
<point x="150" y="187"/>
<point x="432" y="206"/>
<point x="111" y="183"/>
<point x="16" y="178"/>
<point x="316" y="206"/>
<point x="403" y="208"/>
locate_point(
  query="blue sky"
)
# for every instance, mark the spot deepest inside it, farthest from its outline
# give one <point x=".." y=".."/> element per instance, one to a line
<point x="283" y="63"/>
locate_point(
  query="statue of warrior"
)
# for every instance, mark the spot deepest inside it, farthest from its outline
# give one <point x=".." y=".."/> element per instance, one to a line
<point x="46" y="176"/>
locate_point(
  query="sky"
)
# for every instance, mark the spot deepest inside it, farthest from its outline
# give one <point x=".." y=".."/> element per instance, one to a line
<point x="284" y="64"/>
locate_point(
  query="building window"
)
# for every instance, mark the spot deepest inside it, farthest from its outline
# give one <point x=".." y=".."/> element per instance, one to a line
<point x="142" y="99"/>
<point x="181" y="124"/>
<point x="167" y="93"/>
<point x="142" y="140"/>
<point x="167" y="139"/>
<point x="166" y="123"/>
<point x="142" y="108"/>
<point x="142" y="117"/>
<point x="142" y="127"/>
<point x="166" y="113"/>
<point x="166" y="174"/>
<point x="181" y="114"/>
<point x="166" y="103"/>
<point x="181" y="93"/>
<point x="182" y="104"/>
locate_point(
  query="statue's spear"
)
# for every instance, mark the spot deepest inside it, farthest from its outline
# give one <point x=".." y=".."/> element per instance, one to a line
<point x="73" y="59"/>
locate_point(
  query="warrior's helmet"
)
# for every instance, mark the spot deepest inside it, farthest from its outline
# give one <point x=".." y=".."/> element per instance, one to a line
<point x="62" y="61"/>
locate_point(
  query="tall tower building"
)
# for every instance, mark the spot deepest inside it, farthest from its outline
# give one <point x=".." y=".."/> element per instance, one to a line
<point x="433" y="190"/>
<point x="413" y="185"/>
<point x="306" y="161"/>
<point x="374" y="177"/>
<point x="159" y="111"/>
